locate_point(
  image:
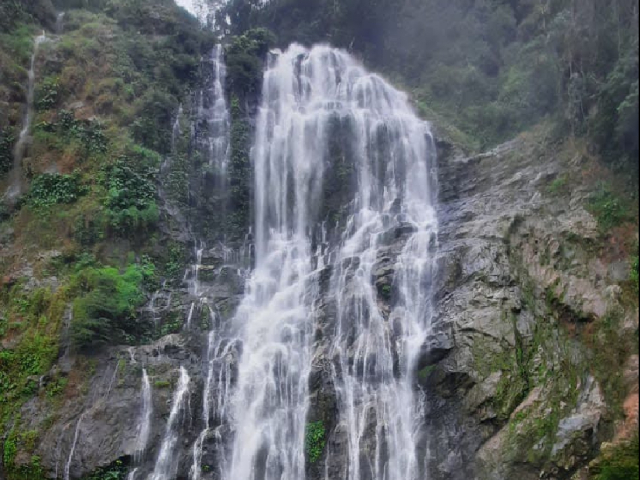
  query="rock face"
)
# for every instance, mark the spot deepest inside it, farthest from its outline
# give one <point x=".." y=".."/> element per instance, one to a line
<point x="512" y="394"/>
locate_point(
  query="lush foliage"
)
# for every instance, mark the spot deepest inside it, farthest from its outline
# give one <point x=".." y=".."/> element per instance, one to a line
<point x="51" y="188"/>
<point x="314" y="440"/>
<point x="244" y="60"/>
<point x="104" y="311"/>
<point x="32" y="316"/>
<point x="131" y="192"/>
<point x="116" y="471"/>
<point x="492" y="67"/>
<point x="634" y="273"/>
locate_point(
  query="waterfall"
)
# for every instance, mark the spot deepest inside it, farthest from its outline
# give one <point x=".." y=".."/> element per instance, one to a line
<point x="59" y="23"/>
<point x="166" y="465"/>
<point x="144" y="426"/>
<point x="374" y="351"/>
<point x="309" y="98"/>
<point x="76" y="434"/>
<point x="15" y="187"/>
<point x="219" y="115"/>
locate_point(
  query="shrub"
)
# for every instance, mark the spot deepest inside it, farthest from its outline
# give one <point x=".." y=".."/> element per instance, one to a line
<point x="47" y="93"/>
<point x="52" y="188"/>
<point x="607" y="208"/>
<point x="244" y="60"/>
<point x="104" y="313"/>
<point x="6" y="150"/>
<point x="130" y="199"/>
<point x="314" y="440"/>
<point x="621" y="463"/>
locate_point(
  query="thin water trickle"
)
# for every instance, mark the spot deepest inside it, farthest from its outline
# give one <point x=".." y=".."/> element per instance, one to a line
<point x="166" y="466"/>
<point x="76" y="434"/>
<point x="144" y="425"/>
<point x="16" y="180"/>
<point x="60" y="23"/>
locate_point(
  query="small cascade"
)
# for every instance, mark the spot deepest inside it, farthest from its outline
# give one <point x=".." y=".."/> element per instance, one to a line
<point x="144" y="426"/>
<point x="219" y="116"/>
<point x="76" y="434"/>
<point x="166" y="465"/>
<point x="60" y="23"/>
<point x="191" y="276"/>
<point x="220" y="350"/>
<point x="176" y="131"/>
<point x="15" y="187"/>
<point x="132" y="474"/>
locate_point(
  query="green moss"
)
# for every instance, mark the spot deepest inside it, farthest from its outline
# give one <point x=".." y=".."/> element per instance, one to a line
<point x="424" y="373"/>
<point x="162" y="384"/>
<point x="314" y="440"/>
<point x="558" y="184"/>
<point x="620" y="463"/>
<point x="634" y="272"/>
<point x="7" y="139"/>
<point x="115" y="471"/>
<point x="239" y="170"/>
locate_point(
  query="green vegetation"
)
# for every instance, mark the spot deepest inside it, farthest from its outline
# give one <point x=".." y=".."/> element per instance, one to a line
<point x="21" y="441"/>
<point x="51" y="188"/>
<point x="314" y="441"/>
<point x="619" y="463"/>
<point x="131" y="193"/>
<point x="634" y="273"/>
<point x="558" y="184"/>
<point x="6" y="150"/>
<point x="608" y="208"/>
<point x="47" y="93"/>
<point x="33" y="316"/>
<point x="104" y="310"/>
<point x="239" y="169"/>
<point x="244" y="60"/>
<point x="116" y="471"/>
<point x="491" y="68"/>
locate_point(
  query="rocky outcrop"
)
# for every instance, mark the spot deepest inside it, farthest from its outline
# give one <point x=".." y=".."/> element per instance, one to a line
<point x="511" y="392"/>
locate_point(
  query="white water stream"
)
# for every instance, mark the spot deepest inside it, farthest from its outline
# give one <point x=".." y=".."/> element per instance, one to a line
<point x="16" y="180"/>
<point x="257" y="365"/>
<point x="305" y="94"/>
<point x="166" y="465"/>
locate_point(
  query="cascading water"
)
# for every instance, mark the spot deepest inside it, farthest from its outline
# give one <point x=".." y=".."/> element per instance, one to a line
<point x="60" y="23"/>
<point x="374" y="352"/>
<point x="219" y="115"/>
<point x="257" y="364"/>
<point x="306" y="93"/>
<point x="15" y="187"/>
<point x="76" y="434"/>
<point x="166" y="466"/>
<point x="144" y="426"/>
